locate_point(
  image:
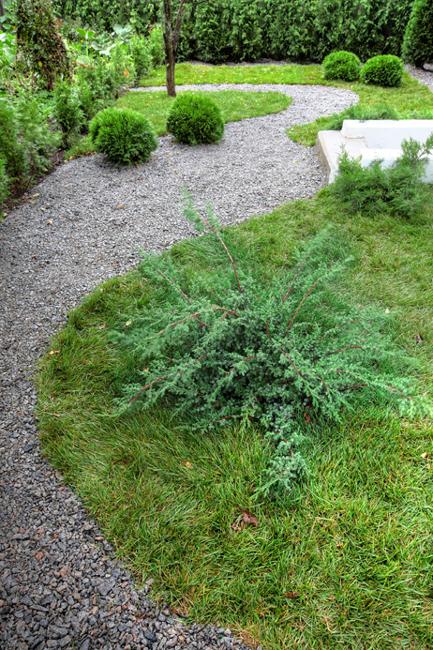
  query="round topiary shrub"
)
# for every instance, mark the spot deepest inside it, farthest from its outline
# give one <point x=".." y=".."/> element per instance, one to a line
<point x="341" y="65"/>
<point x="195" y="119"/>
<point x="123" y="135"/>
<point x="383" y="70"/>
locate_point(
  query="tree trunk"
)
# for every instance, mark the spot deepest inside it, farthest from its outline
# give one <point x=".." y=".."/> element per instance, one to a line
<point x="169" y="72"/>
<point x="2" y="9"/>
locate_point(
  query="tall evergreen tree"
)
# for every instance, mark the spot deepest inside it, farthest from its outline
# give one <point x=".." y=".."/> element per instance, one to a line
<point x="418" y="39"/>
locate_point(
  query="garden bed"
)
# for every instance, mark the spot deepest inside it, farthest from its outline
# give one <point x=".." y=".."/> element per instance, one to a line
<point x="341" y="565"/>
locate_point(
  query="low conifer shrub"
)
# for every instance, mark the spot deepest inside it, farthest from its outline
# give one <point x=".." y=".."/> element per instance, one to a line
<point x="383" y="70"/>
<point x="375" y="189"/>
<point x="123" y="135"/>
<point x="195" y="119"/>
<point x="341" y="65"/>
<point x="289" y="356"/>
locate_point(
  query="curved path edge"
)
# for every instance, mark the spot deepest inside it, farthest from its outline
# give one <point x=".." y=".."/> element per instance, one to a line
<point x="60" y="584"/>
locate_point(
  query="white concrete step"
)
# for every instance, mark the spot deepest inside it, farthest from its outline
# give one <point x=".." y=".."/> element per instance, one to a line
<point x="387" y="134"/>
<point x="332" y="144"/>
<point x="370" y="140"/>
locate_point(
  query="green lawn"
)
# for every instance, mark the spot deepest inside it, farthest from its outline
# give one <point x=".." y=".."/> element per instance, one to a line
<point x="235" y="105"/>
<point x="348" y="566"/>
<point x="411" y="96"/>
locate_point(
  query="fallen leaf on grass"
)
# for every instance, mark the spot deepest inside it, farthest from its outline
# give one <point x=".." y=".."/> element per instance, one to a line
<point x="181" y="610"/>
<point x="187" y="464"/>
<point x="292" y="595"/>
<point x="243" y="520"/>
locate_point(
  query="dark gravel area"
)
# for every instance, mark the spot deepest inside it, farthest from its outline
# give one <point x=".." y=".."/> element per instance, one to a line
<point x="60" y="584"/>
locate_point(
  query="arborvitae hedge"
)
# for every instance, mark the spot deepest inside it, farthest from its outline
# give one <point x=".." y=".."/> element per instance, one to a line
<point x="418" y="40"/>
<point x="237" y="30"/>
<point x="103" y="14"/>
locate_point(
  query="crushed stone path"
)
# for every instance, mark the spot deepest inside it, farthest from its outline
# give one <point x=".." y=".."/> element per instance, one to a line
<point x="60" y="584"/>
<point x="424" y="75"/>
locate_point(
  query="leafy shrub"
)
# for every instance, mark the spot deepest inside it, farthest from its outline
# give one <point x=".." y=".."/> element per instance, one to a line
<point x="122" y="66"/>
<point x="288" y="355"/>
<point x="195" y="119"/>
<point x="342" y="65"/>
<point x="36" y="137"/>
<point x="4" y="182"/>
<point x="373" y="190"/>
<point x="10" y="149"/>
<point x="156" y="46"/>
<point x="383" y="70"/>
<point x="123" y="135"/>
<point x="418" y="38"/>
<point x="141" y="56"/>
<point x="100" y="79"/>
<point x="26" y="139"/>
<point x="67" y="111"/>
<point x="88" y="103"/>
<point x="40" y="46"/>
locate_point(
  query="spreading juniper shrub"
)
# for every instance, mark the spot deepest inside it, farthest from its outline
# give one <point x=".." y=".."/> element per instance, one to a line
<point x="398" y="190"/>
<point x="288" y="355"/>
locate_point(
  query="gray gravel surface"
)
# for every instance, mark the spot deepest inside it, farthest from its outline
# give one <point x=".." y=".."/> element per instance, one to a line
<point x="425" y="76"/>
<point x="60" y="585"/>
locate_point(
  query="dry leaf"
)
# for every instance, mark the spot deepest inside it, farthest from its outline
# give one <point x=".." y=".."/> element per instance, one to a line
<point x="187" y="464"/>
<point x="292" y="595"/>
<point x="181" y="610"/>
<point x="243" y="520"/>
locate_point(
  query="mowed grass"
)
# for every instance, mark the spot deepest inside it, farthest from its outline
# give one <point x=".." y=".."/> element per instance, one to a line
<point x="350" y="564"/>
<point x="235" y="105"/>
<point x="410" y="96"/>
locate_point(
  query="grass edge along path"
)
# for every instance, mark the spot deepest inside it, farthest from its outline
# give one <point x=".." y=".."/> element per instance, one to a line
<point x="410" y="96"/>
<point x="348" y="566"/>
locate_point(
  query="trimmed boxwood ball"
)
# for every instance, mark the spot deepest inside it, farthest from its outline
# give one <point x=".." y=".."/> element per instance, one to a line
<point x="342" y="65"/>
<point x="195" y="119"/>
<point x="123" y="135"/>
<point x="383" y="70"/>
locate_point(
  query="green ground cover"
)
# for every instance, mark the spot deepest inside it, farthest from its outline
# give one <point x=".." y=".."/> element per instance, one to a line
<point x="410" y="96"/>
<point x="350" y="564"/>
<point x="235" y="105"/>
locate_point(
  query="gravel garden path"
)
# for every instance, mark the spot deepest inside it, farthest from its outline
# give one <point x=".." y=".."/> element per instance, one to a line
<point x="425" y="76"/>
<point x="60" y="585"/>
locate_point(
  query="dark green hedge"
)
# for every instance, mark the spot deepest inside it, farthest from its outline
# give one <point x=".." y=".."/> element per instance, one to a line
<point x="238" y="30"/>
<point x="101" y="15"/>
<point x="418" y="40"/>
